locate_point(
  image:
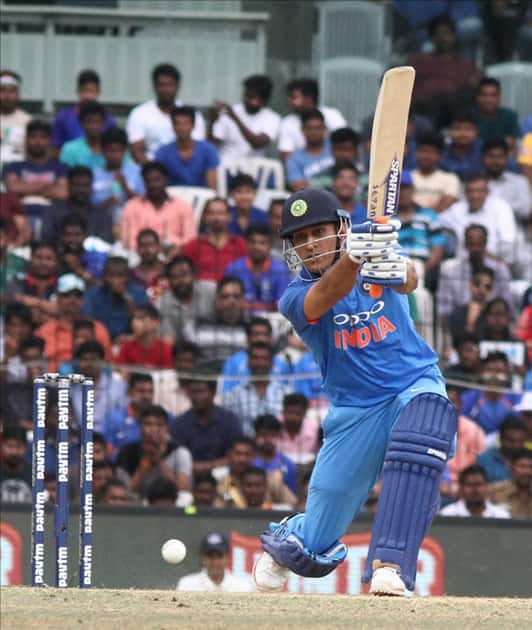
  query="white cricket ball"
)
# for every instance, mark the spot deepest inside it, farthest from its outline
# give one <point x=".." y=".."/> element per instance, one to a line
<point x="174" y="551"/>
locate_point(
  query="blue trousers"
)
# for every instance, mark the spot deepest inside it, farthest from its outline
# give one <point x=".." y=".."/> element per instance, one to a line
<point x="349" y="463"/>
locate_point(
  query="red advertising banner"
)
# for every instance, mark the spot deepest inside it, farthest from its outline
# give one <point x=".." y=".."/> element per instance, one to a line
<point x="346" y="579"/>
<point x="10" y="556"/>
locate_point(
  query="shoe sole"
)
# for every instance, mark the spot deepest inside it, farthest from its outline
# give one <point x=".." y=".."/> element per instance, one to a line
<point x="264" y="589"/>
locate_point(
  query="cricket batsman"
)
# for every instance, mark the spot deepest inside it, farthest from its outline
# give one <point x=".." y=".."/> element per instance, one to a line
<point x="389" y="411"/>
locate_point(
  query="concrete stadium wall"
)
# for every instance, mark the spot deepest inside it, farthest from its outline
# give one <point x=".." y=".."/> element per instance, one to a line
<point x="460" y="557"/>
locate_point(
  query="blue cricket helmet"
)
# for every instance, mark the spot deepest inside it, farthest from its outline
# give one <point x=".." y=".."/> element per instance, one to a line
<point x="311" y="206"/>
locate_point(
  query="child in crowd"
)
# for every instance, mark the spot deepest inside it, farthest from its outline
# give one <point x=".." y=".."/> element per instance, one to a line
<point x="146" y="348"/>
<point x="243" y="213"/>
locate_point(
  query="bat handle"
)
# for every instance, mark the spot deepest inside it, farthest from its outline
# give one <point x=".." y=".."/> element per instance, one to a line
<point x="375" y="290"/>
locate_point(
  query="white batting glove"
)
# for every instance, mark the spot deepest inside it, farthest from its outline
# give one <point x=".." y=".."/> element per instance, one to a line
<point x="390" y="269"/>
<point x="369" y="239"/>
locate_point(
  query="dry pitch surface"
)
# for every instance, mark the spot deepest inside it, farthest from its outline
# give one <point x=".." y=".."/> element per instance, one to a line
<point x="26" y="608"/>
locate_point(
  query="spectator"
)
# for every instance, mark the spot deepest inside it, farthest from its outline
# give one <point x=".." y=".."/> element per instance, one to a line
<point x="468" y="366"/>
<point x="149" y="273"/>
<point x="83" y="330"/>
<point x="473" y="495"/>
<point x="173" y="219"/>
<point x="185" y="302"/>
<point x="467" y="317"/>
<point x="524" y="409"/>
<point x="149" y="125"/>
<point x="13" y="120"/>
<point x="87" y="149"/>
<point x="247" y="128"/>
<point x="39" y="179"/>
<point x="18" y="324"/>
<point x="344" y="147"/>
<point x="524" y="157"/>
<point x="516" y="493"/>
<point x="161" y="492"/>
<point x="171" y="386"/>
<point x="444" y="79"/>
<point x="264" y="277"/>
<point x="114" y="301"/>
<point x="15" y="471"/>
<point x="189" y="162"/>
<point x="122" y="424"/>
<point x="17" y="392"/>
<point x="274" y="219"/>
<point x="421" y="235"/>
<point x="229" y="487"/>
<point x="37" y="286"/>
<point x="208" y="431"/>
<point x="118" y="179"/>
<point x="261" y="395"/>
<point x="496" y="461"/>
<point x="299" y="433"/>
<point x="471" y="440"/>
<point x="223" y="336"/>
<point x="433" y="188"/>
<point x="155" y="455"/>
<point x="109" y="388"/>
<point x="58" y="331"/>
<point x="242" y="190"/>
<point x="494" y="121"/>
<point x="67" y="124"/>
<point x="215" y="575"/>
<point x="487" y="407"/>
<point x="74" y="258"/>
<point x="482" y="208"/>
<point x="204" y="490"/>
<point x="455" y="274"/>
<point x="255" y="490"/>
<point x="146" y="348"/>
<point x="345" y="186"/>
<point x="308" y="166"/>
<point x="463" y="155"/>
<point x="236" y="368"/>
<point x="268" y="456"/>
<point x="116" y="493"/>
<point x="213" y="250"/>
<point x="99" y="220"/>
<point x="303" y="97"/>
<point x="16" y="230"/>
<point x="511" y="187"/>
<point x="102" y="473"/>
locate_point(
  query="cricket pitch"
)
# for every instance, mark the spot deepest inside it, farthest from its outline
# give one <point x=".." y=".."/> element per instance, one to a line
<point x="49" y="608"/>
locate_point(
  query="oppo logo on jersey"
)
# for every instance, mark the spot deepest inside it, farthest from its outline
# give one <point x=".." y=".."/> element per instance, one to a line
<point x="360" y="336"/>
<point x="357" y="318"/>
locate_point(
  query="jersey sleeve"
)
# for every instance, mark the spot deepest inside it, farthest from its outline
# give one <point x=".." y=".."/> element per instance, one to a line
<point x="291" y="305"/>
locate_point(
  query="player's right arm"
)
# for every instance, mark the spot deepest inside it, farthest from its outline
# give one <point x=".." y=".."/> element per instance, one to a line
<point x="333" y="285"/>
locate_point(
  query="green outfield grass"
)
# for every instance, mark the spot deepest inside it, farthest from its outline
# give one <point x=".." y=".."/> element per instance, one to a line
<point x="101" y="609"/>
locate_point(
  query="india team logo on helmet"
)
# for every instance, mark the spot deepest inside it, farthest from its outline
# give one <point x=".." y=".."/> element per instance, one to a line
<point x="298" y="208"/>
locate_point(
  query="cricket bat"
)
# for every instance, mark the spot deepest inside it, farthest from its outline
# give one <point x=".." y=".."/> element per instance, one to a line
<point x="388" y="138"/>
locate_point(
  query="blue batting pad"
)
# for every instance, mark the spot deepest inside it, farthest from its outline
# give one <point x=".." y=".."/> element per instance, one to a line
<point x="415" y="459"/>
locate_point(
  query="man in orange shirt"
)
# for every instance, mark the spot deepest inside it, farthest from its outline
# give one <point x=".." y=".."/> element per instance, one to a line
<point x="58" y="331"/>
<point x="173" y="219"/>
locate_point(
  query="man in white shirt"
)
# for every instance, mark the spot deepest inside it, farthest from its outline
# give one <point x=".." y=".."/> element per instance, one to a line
<point x="481" y="208"/>
<point x="303" y="97"/>
<point x="245" y="129"/>
<point x="511" y="187"/>
<point x="433" y="188"/>
<point x="13" y="120"/>
<point x="215" y="576"/>
<point x="149" y="125"/>
<point x="473" y="490"/>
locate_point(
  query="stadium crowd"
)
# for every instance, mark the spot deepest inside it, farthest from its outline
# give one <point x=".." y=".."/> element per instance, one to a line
<point x="204" y="395"/>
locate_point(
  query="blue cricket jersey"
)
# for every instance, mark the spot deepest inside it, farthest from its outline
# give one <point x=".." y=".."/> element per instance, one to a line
<point x="368" y="350"/>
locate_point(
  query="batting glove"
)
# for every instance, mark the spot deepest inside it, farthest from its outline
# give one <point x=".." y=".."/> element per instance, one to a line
<point x="370" y="239"/>
<point x="390" y="269"/>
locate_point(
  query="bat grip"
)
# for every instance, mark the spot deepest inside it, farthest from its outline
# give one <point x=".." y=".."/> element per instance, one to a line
<point x="375" y="290"/>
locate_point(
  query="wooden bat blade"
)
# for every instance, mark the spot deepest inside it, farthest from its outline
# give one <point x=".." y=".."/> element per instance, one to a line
<point x="388" y="141"/>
